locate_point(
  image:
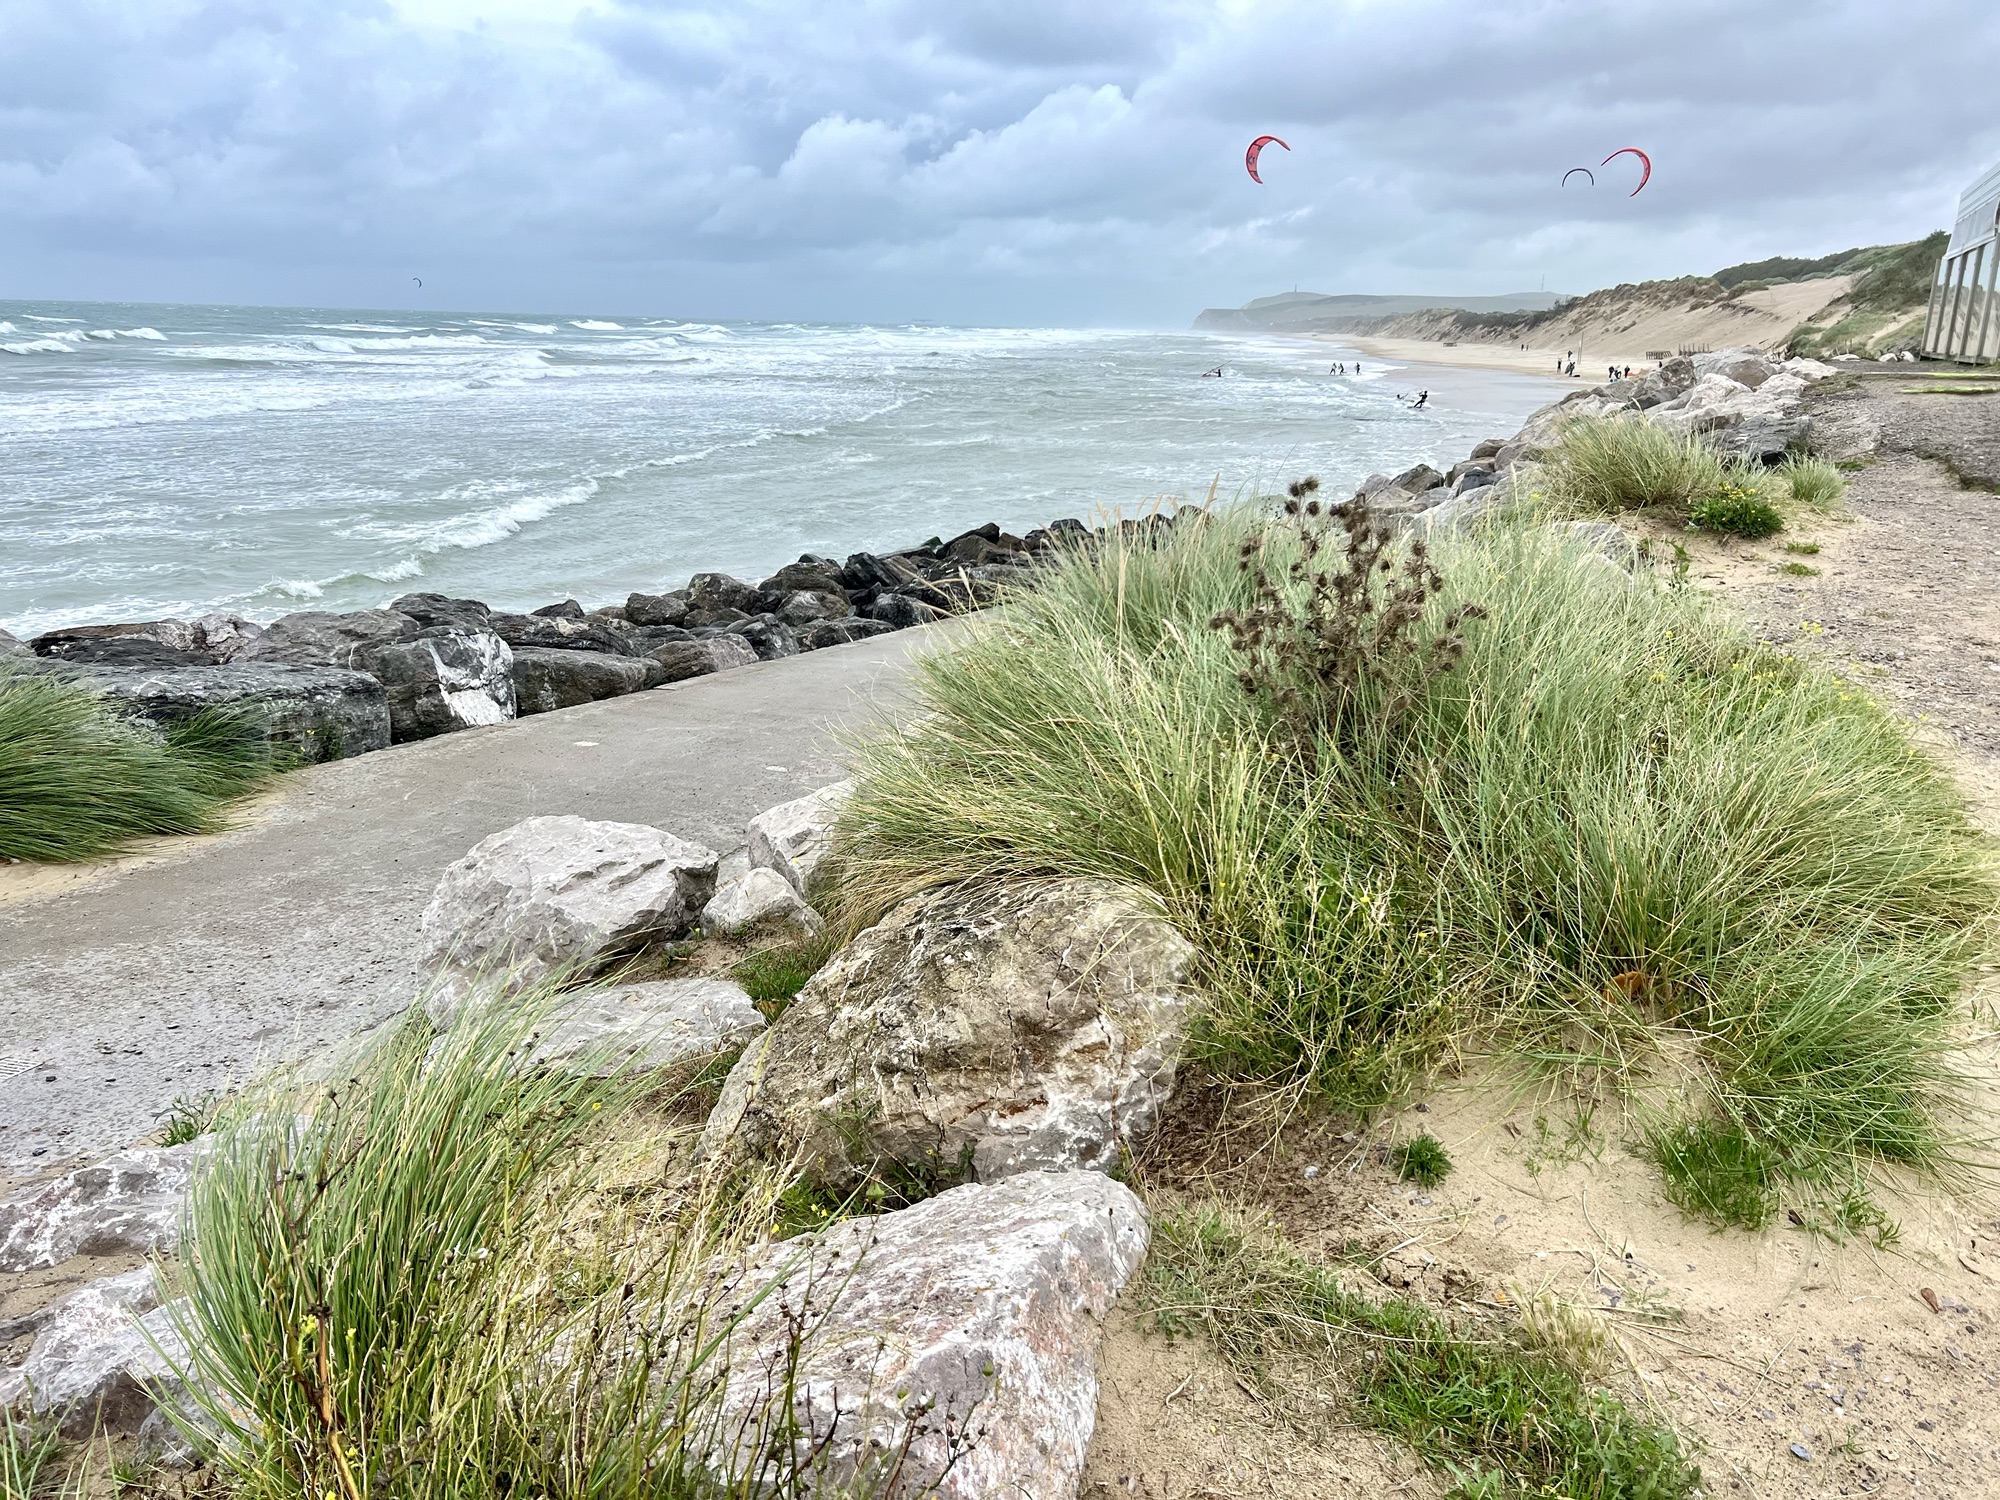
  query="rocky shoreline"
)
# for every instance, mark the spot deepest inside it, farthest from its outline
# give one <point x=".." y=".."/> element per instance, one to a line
<point x="327" y="686"/>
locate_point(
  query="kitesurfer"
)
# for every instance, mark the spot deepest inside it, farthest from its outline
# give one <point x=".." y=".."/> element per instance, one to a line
<point x="1418" y="404"/>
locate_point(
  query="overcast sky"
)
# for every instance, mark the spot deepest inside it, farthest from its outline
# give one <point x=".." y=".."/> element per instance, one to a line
<point x="996" y="161"/>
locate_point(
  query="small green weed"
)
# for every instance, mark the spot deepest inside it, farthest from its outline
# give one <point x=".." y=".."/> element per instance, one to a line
<point x="1812" y="481"/>
<point x="1803" y="549"/>
<point x="1421" y="1159"/>
<point x="773" y="977"/>
<point x="1798" y="570"/>
<point x="28" y="1452"/>
<point x="1715" y="1172"/>
<point x="1735" y="509"/>
<point x="186" y="1118"/>
<point x="1498" y="1414"/>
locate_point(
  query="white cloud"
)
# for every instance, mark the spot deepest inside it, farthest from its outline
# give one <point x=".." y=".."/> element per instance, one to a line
<point x="988" y="159"/>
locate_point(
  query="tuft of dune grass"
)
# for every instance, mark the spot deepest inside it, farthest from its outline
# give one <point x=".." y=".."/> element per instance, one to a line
<point x="78" y="781"/>
<point x="1617" y="817"/>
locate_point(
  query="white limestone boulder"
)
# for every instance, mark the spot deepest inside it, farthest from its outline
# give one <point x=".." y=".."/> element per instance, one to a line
<point x="94" y="1362"/>
<point x="946" y="1350"/>
<point x="971" y="1032"/>
<point x="641" y="1028"/>
<point x="555" y="894"/>
<point x="759" y="905"/>
<point x="794" y="837"/>
<point x="128" y="1202"/>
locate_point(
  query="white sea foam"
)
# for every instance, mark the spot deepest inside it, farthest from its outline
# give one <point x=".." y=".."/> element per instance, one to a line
<point x="330" y="346"/>
<point x="152" y="335"/>
<point x="109" y="335"/>
<point x="594" y="325"/>
<point x="38" y="318"/>
<point x="6" y="327"/>
<point x="40" y="346"/>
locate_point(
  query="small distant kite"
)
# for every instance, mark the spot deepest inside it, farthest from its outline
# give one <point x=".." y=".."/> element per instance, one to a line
<point x="1256" y="149"/>
<point x="1586" y="172"/>
<point x="418" y="280"/>
<point x="1645" y="161"/>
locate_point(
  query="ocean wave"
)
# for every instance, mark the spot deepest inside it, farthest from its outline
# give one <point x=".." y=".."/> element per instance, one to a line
<point x="363" y="327"/>
<point x="38" y="318"/>
<point x="330" y="346"/>
<point x="39" y="346"/>
<point x="109" y="335"/>
<point x="152" y="335"/>
<point x="596" y="325"/>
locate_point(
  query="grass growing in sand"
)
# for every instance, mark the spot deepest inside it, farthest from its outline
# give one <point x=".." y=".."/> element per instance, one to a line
<point x="77" y="781"/>
<point x="1611" y="819"/>
<point x="449" y="1276"/>
<point x="1497" y="1408"/>
<point x="30" y="1450"/>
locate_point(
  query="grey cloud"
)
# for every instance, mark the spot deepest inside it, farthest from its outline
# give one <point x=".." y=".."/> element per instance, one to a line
<point x="1009" y="160"/>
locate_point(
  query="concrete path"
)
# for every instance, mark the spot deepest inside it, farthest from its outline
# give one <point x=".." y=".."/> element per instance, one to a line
<point x="175" y="975"/>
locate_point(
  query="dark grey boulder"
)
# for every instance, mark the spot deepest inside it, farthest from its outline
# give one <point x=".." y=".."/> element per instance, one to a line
<point x="431" y="610"/>
<point x="1674" y="377"/>
<point x="1473" y="479"/>
<point x="804" y="606"/>
<point x="823" y="633"/>
<point x="314" y="713"/>
<point x="1416" y="480"/>
<point x="820" y="574"/>
<point x="900" y="611"/>
<point x="715" y="591"/>
<point x="557" y="633"/>
<point x="680" y="660"/>
<point x="1762" y="440"/>
<point x="569" y="609"/>
<point x="768" y="636"/>
<point x="1488" y="448"/>
<point x="645" y="639"/>
<point x="445" y="679"/>
<point x="708" y="619"/>
<point x="315" y="638"/>
<point x="546" y="679"/>
<point x="127" y="651"/>
<point x="1459" y="470"/>
<point x="656" y="609"/>
<point x="864" y="571"/>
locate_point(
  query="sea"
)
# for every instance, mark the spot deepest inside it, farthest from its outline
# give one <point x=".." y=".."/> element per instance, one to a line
<point x="162" y="460"/>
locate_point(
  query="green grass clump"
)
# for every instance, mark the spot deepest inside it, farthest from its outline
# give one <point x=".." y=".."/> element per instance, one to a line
<point x="773" y="977"/>
<point x="1812" y="482"/>
<point x="1735" y="509"/>
<point x="78" y="781"/>
<point x="189" y="1117"/>
<point x="1610" y="782"/>
<point x="1716" y="1172"/>
<point x="1421" y="1159"/>
<point x="1496" y="1413"/>
<point x="1798" y="570"/>
<point x="417" y="1284"/>
<point x="1603" y="466"/>
<point x="30" y="1452"/>
<point x="1803" y="549"/>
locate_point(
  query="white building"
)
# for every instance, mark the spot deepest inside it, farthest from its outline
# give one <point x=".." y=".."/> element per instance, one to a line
<point x="1964" y="321"/>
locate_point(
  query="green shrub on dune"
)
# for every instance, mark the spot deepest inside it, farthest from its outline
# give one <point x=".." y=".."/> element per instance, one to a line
<point x="77" y="781"/>
<point x="1611" y="816"/>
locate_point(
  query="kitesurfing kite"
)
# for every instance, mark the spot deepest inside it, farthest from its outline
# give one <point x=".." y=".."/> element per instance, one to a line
<point x="1645" y="162"/>
<point x="1256" y="148"/>
<point x="418" y="280"/>
<point x="1586" y="172"/>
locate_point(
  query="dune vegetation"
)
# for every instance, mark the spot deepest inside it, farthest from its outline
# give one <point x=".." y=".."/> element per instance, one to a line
<point x="1495" y="798"/>
<point x="78" y="781"/>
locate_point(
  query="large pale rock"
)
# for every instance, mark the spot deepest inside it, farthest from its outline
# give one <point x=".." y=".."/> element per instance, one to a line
<point x="794" y="837"/>
<point x="93" y="1362"/>
<point x="759" y="905"/>
<point x="970" y="1032"/>
<point x="642" y="1028"/>
<point x="947" y="1350"/>
<point x="1808" y="370"/>
<point x="552" y="894"/>
<point x="128" y="1202"/>
<point x="1747" y="367"/>
<point x="13" y="645"/>
<point x="446" y="679"/>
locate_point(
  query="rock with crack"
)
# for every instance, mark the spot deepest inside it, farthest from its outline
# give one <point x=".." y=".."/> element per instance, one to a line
<point x="971" y="1032"/>
<point x="92" y="1360"/>
<point x="546" y="678"/>
<point x="445" y="679"/>
<point x="793" y="838"/>
<point x="946" y="1350"/>
<point x="553" y="895"/>
<point x="643" y="1028"/>
<point x="128" y="1202"/>
<point x="758" y="906"/>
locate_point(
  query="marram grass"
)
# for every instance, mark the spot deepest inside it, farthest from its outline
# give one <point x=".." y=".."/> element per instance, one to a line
<point x="77" y="781"/>
<point x="1617" y="817"/>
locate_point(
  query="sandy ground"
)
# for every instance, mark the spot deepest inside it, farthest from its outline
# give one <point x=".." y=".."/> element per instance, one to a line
<point x="1746" y="1343"/>
<point x="1759" y="318"/>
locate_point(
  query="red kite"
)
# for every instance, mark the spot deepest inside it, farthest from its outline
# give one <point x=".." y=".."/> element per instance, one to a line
<point x="1256" y="147"/>
<point x="1645" y="161"/>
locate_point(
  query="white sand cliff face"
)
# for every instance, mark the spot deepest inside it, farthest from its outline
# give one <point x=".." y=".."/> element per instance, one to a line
<point x="1611" y="330"/>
